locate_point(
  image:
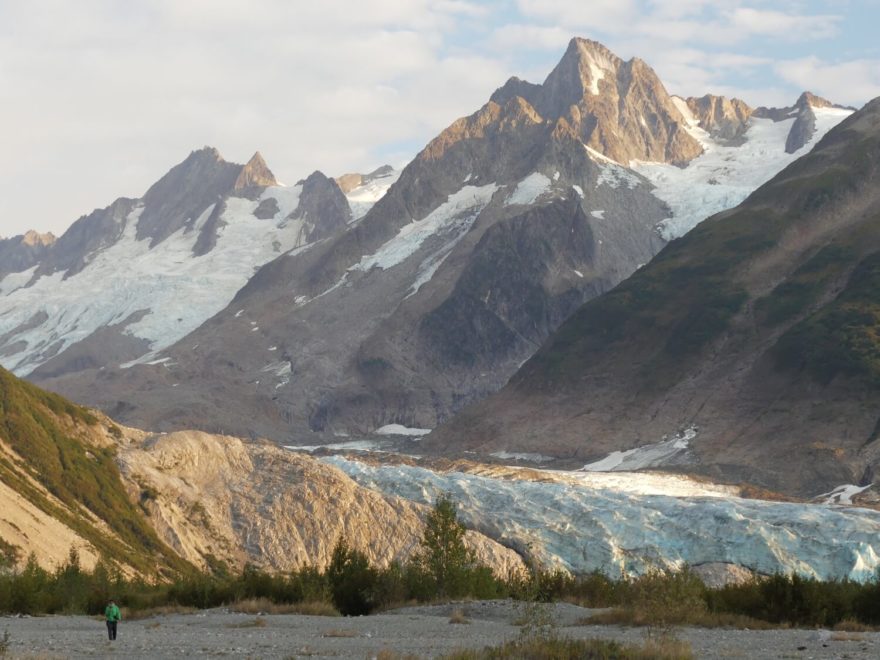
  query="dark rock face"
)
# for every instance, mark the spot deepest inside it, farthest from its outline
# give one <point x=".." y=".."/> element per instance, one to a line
<point x="181" y="196"/>
<point x="90" y="233"/>
<point x="322" y="207"/>
<point x="758" y="328"/>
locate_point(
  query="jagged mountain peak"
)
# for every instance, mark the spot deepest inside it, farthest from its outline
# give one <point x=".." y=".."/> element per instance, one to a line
<point x="255" y="173"/>
<point x="582" y="67"/>
<point x="619" y="108"/>
<point x="808" y="99"/>
<point x="206" y="153"/>
<point x="32" y="238"/>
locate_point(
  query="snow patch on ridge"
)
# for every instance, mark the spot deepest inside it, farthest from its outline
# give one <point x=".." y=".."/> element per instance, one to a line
<point x="529" y="189"/>
<point x="399" y="429"/>
<point x="612" y="173"/>
<point x="464" y="205"/>
<point x="647" y="456"/>
<point x="842" y="494"/>
<point x="362" y="198"/>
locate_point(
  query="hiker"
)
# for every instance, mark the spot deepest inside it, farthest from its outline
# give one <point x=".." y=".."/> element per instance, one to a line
<point x="112" y="614"/>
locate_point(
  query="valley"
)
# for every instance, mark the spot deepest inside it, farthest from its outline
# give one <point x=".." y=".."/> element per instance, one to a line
<point x="625" y="335"/>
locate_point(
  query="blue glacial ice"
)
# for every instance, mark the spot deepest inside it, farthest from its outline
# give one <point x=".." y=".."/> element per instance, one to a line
<point x="630" y="523"/>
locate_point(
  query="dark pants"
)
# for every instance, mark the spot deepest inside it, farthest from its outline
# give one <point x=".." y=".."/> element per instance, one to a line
<point x="111" y="629"/>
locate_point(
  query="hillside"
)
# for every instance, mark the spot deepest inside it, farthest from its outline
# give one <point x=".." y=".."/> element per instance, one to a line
<point x="758" y="333"/>
<point x="60" y="487"/>
<point x="162" y="504"/>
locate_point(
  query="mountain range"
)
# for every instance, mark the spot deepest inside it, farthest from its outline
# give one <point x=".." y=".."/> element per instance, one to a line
<point x="224" y="301"/>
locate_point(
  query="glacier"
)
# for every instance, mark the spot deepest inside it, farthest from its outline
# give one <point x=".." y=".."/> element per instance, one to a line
<point x="632" y="523"/>
<point x="723" y="176"/>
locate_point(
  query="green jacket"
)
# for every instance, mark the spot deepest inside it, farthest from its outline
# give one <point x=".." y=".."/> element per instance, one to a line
<point x="112" y="613"/>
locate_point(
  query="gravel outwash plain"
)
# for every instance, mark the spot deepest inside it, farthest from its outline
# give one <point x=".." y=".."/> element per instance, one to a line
<point x="423" y="631"/>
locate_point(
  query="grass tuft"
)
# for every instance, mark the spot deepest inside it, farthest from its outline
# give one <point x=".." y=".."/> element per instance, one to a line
<point x="458" y="616"/>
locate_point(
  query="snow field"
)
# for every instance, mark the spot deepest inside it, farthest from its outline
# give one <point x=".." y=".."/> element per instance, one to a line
<point x="723" y="176"/>
<point x="177" y="290"/>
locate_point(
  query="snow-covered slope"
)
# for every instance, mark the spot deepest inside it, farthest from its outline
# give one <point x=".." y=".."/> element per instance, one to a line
<point x="726" y="173"/>
<point x="127" y="281"/>
<point x="168" y="289"/>
<point x="629" y="523"/>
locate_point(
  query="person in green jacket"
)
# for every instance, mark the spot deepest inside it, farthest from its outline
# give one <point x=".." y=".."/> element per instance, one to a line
<point x="112" y="614"/>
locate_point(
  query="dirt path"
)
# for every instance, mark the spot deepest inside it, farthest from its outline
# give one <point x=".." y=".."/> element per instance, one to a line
<point x="422" y="631"/>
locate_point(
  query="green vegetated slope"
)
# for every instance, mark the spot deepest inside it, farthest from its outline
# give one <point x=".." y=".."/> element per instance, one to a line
<point x="58" y="449"/>
<point x="761" y="326"/>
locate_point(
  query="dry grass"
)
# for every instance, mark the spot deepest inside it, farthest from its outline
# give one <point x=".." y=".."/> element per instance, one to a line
<point x="663" y="647"/>
<point x="701" y="619"/>
<point x="851" y="625"/>
<point x="458" y="616"/>
<point x="266" y="606"/>
<point x="258" y="622"/>
<point x="388" y="654"/>
<point x="847" y="637"/>
<point x="340" y="632"/>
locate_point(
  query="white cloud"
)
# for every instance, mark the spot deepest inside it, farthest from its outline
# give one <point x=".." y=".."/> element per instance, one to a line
<point x="532" y="37"/>
<point x="853" y="82"/>
<point x="99" y="98"/>
<point x="103" y="97"/>
<point x="791" y="27"/>
<point x="610" y="15"/>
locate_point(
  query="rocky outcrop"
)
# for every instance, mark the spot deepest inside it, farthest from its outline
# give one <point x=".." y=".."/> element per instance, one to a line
<point x="348" y="182"/>
<point x="20" y="253"/>
<point x="218" y="497"/>
<point x="723" y="118"/>
<point x="73" y="480"/>
<point x="71" y="252"/>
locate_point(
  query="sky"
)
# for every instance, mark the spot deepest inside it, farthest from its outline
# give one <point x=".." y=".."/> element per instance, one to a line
<point x="99" y="98"/>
